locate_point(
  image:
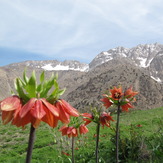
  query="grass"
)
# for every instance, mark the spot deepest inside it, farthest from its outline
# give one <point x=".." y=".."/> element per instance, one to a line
<point x="49" y="143"/>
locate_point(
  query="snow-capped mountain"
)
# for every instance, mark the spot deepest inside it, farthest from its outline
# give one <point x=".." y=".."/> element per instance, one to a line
<point x="148" y="56"/>
<point x="141" y="55"/>
<point x="67" y="65"/>
<point x="53" y="65"/>
<point x="141" y="67"/>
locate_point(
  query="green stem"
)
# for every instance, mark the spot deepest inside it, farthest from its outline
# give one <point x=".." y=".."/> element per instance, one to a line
<point x="72" y="148"/>
<point x="30" y="144"/>
<point x="117" y="134"/>
<point x="97" y="140"/>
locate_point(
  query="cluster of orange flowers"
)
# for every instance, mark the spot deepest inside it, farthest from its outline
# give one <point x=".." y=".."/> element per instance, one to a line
<point x="35" y="111"/>
<point x="39" y="109"/>
<point x="34" y="104"/>
<point x="117" y="97"/>
<point x="72" y="131"/>
<point x="104" y="119"/>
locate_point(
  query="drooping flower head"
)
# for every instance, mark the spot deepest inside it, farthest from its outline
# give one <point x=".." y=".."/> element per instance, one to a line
<point x="69" y="131"/>
<point x="129" y="93"/>
<point x="74" y="128"/>
<point x="105" y="119"/>
<point x="35" y="111"/>
<point x="35" y="103"/>
<point x="65" y="111"/>
<point x="98" y="118"/>
<point x="9" y="106"/>
<point x="88" y="118"/>
<point x="126" y="106"/>
<point x="83" y="129"/>
<point x="107" y="102"/>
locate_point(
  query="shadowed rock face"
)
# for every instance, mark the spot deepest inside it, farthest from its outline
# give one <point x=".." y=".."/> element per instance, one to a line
<point x="119" y="66"/>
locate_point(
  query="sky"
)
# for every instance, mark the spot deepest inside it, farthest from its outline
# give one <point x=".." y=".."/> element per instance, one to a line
<point x="75" y="29"/>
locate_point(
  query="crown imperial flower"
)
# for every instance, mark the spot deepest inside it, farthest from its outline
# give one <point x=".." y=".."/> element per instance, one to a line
<point x="119" y="98"/>
<point x="65" y="111"/>
<point x="9" y="106"/>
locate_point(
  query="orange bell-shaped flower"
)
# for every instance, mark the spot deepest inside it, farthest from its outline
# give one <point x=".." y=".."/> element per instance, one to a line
<point x="87" y="117"/>
<point x="83" y="129"/>
<point x="106" y="101"/>
<point x="65" y="111"/>
<point x="105" y="119"/>
<point x="130" y="93"/>
<point x="126" y="106"/>
<point x="69" y="131"/>
<point x="9" y="106"/>
<point x="35" y="111"/>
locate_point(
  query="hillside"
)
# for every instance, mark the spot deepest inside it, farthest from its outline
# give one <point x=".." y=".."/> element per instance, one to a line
<point x="140" y="66"/>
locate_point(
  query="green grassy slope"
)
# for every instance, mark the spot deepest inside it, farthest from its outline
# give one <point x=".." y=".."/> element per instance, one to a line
<point x="49" y="143"/>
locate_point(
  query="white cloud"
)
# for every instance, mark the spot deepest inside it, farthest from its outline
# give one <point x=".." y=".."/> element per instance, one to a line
<point x="52" y="27"/>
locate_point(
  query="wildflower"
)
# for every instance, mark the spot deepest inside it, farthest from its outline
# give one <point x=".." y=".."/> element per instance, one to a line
<point x="129" y="93"/>
<point x="105" y="119"/>
<point x="35" y="111"/>
<point x="88" y="118"/>
<point x="106" y="101"/>
<point x="9" y="106"/>
<point x="65" y="111"/>
<point x="124" y="100"/>
<point x="72" y="132"/>
<point x="83" y="129"/>
<point x="116" y="93"/>
<point x="69" y="131"/>
<point x="126" y="106"/>
<point x="139" y="125"/>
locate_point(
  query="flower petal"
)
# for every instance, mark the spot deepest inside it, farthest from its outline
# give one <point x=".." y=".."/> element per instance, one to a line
<point x="107" y="102"/>
<point x="10" y="103"/>
<point x="68" y="108"/>
<point x="7" y="116"/>
<point x="50" y="118"/>
<point x="83" y="129"/>
<point x="63" y="116"/>
<point x="27" y="107"/>
<point x="37" y="111"/>
<point x="51" y="107"/>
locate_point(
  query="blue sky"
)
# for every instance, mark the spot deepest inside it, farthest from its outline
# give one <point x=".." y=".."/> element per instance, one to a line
<point x="75" y="29"/>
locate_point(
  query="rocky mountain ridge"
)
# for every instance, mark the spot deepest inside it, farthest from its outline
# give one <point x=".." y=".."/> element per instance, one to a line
<point x="148" y="56"/>
<point x="141" y="67"/>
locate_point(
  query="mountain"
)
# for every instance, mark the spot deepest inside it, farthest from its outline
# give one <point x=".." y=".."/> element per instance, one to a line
<point x="148" y="56"/>
<point x="51" y="65"/>
<point x="140" y="66"/>
<point x="113" y="73"/>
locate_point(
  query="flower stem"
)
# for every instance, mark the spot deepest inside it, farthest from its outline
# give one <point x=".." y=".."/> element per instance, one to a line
<point x="117" y="134"/>
<point x="72" y="148"/>
<point x="97" y="140"/>
<point x="30" y="144"/>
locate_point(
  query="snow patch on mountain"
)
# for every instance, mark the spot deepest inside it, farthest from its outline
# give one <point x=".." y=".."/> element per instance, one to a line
<point x="59" y="67"/>
<point x="156" y="79"/>
<point x="142" y="61"/>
